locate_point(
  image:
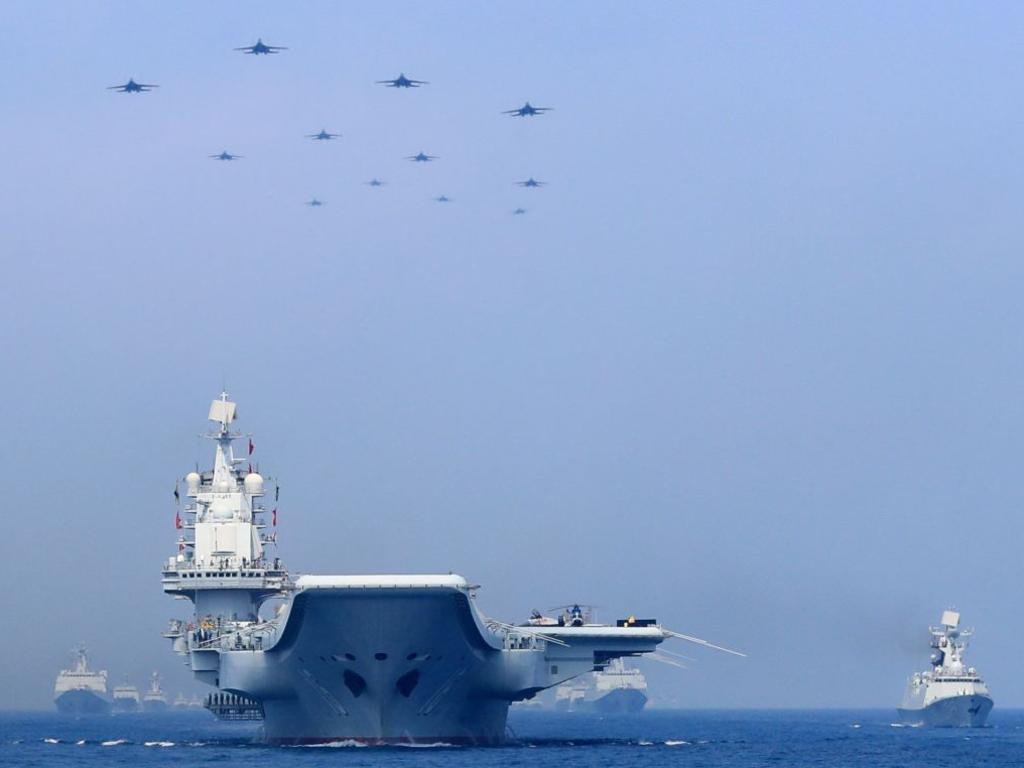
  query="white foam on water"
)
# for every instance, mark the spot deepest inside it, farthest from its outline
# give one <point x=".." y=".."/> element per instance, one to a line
<point x="80" y="743"/>
<point x="417" y="745"/>
<point x="330" y="744"/>
<point x="113" y="743"/>
<point x="51" y="741"/>
<point x="158" y="743"/>
<point x="855" y="725"/>
<point x="645" y="743"/>
<point x="675" y="743"/>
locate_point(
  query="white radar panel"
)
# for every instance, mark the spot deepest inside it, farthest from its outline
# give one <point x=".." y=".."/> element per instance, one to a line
<point x="950" y="618"/>
<point x="222" y="411"/>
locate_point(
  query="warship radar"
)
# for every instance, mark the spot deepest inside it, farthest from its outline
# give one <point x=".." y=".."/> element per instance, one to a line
<point x="381" y="658"/>
<point x="81" y="691"/>
<point x="950" y="694"/>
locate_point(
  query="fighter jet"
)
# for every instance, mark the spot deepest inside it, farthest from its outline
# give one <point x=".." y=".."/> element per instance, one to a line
<point x="531" y="182"/>
<point x="402" y="82"/>
<point x="323" y="135"/>
<point x="132" y="87"/>
<point x="421" y="158"/>
<point x="375" y="182"/>
<point x="314" y="203"/>
<point x="527" y="110"/>
<point x="518" y="211"/>
<point x="443" y="199"/>
<point x="261" y="48"/>
<point x="225" y="155"/>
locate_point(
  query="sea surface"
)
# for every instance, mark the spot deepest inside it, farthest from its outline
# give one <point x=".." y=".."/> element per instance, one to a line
<point x="541" y="739"/>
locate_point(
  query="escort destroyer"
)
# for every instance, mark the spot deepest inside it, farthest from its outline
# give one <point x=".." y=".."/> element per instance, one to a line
<point x="950" y="694"/>
<point x="373" y="658"/>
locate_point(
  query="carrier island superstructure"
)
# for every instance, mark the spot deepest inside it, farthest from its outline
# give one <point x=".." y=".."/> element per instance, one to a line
<point x="951" y="693"/>
<point x="374" y="658"/>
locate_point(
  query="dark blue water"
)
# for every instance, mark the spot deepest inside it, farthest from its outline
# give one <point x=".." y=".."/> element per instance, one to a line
<point x="657" y="738"/>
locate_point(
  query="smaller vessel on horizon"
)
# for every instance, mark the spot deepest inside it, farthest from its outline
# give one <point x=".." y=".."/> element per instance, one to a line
<point x="951" y="694"/>
<point x="79" y="690"/>
<point x="616" y="688"/>
<point x="126" y="698"/>
<point x="154" y="700"/>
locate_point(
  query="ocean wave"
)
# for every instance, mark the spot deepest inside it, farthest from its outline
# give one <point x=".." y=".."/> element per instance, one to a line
<point x="51" y="741"/>
<point x="80" y="743"/>
<point x="643" y="743"/>
<point x="676" y="743"/>
<point x="432" y="745"/>
<point x="113" y="742"/>
<point x="158" y="743"/>
<point x="330" y="744"/>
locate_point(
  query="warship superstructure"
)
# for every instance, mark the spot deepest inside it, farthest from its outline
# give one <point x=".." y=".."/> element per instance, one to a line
<point x="79" y="690"/>
<point x="373" y="658"/>
<point x="154" y="699"/>
<point x="950" y="694"/>
<point x="618" y="687"/>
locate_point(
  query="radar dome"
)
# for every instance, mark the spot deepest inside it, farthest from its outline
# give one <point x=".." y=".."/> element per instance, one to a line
<point x="254" y="484"/>
<point x="192" y="480"/>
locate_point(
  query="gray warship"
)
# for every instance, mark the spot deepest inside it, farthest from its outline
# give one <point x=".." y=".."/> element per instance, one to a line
<point x="618" y="688"/>
<point x="81" y="691"/>
<point x="951" y="694"/>
<point x="380" y="658"/>
<point x="154" y="699"/>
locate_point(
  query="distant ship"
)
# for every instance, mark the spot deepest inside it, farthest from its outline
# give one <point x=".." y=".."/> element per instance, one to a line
<point x="180" y="702"/>
<point x="80" y="691"/>
<point x="126" y="698"/>
<point x="950" y="694"/>
<point x="154" y="700"/>
<point x="375" y="658"/>
<point x="616" y="688"/>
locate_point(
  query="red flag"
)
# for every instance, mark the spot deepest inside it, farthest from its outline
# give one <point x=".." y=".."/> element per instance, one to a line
<point x="275" y="517"/>
<point x="251" y="447"/>
<point x="177" y="520"/>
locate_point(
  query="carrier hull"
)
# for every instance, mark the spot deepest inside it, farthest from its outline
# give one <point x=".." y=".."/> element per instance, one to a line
<point x="953" y="712"/>
<point x="412" y="664"/>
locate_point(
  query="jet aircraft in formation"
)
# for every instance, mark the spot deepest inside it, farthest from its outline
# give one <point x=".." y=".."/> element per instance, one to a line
<point x="323" y="135"/>
<point x="402" y="82"/>
<point x="261" y="48"/>
<point x="527" y="110"/>
<point x="132" y="87"/>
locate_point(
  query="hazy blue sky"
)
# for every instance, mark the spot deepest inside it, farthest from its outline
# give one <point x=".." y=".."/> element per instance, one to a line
<point x="752" y="363"/>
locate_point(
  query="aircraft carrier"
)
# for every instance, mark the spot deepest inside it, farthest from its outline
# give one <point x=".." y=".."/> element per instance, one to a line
<point x="374" y="658"/>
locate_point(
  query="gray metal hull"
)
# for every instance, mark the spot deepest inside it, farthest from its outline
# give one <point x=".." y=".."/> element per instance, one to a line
<point x="82" y="702"/>
<point x="384" y="666"/>
<point x="952" y="712"/>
